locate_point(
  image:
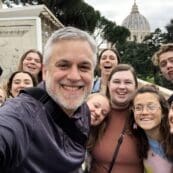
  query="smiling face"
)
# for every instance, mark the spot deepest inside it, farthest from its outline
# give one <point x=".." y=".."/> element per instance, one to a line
<point x="121" y="88"/>
<point x="20" y="81"/>
<point x="108" y="61"/>
<point x="166" y="65"/>
<point x="32" y="63"/>
<point x="69" y="73"/>
<point x="99" y="108"/>
<point x="148" y="112"/>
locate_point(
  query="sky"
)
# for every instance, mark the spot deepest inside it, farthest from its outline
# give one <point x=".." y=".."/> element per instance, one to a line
<point x="158" y="12"/>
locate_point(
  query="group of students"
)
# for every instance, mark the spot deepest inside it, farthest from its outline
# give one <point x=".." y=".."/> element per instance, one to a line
<point x="131" y="128"/>
<point x="141" y="118"/>
<point x="29" y="74"/>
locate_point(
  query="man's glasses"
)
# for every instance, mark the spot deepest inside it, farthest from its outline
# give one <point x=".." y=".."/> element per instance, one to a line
<point x="151" y="108"/>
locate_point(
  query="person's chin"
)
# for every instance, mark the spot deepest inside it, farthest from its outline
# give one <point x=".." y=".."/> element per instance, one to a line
<point x="169" y="78"/>
<point x="71" y="104"/>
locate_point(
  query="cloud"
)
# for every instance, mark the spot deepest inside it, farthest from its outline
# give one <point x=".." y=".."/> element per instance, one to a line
<point x="158" y="12"/>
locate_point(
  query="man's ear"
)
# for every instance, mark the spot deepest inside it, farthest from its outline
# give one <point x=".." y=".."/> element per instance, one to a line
<point x="44" y="71"/>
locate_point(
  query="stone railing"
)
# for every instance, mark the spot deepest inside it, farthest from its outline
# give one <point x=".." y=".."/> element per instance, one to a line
<point x="166" y="92"/>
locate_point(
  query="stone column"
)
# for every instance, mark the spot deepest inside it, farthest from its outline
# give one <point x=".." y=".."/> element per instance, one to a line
<point x="0" y="4"/>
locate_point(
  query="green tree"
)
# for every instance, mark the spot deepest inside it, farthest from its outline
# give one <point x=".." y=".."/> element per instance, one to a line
<point x="79" y="14"/>
<point x="169" y="35"/>
<point x="139" y="56"/>
<point x="154" y="41"/>
<point x="109" y="31"/>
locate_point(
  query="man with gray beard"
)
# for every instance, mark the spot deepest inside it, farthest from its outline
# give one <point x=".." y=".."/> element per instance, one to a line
<point x="49" y="135"/>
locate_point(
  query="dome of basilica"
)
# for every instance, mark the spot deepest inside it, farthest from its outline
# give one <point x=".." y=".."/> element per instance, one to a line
<point x="137" y="24"/>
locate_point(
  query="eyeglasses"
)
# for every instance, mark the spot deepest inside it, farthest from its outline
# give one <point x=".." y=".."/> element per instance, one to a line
<point x="151" y="108"/>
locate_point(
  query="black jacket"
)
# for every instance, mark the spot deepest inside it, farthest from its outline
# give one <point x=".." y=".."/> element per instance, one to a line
<point x="31" y="140"/>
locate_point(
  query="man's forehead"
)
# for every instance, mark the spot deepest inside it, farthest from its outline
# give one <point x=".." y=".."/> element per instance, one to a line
<point x="166" y="55"/>
<point x="74" y="60"/>
<point x="165" y="59"/>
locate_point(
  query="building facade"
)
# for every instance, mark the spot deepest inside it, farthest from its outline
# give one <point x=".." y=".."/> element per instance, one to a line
<point x="137" y="24"/>
<point x="21" y="29"/>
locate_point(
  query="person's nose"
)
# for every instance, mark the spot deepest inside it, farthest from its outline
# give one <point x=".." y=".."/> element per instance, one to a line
<point x="74" y="74"/>
<point x="22" y="85"/>
<point x="122" y="85"/>
<point x="144" y="110"/>
<point x="107" y="59"/>
<point x="32" y="61"/>
<point x="169" y="64"/>
<point x="98" y="112"/>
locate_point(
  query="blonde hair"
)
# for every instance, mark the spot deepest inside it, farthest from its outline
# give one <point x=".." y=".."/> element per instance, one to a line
<point x="96" y="94"/>
<point x="97" y="131"/>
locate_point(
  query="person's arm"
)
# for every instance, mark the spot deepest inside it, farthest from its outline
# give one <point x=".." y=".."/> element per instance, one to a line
<point x="14" y="135"/>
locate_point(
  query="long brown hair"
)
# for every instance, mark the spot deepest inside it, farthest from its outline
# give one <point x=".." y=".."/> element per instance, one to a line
<point x="166" y="138"/>
<point x="96" y="133"/>
<point x="20" y="67"/>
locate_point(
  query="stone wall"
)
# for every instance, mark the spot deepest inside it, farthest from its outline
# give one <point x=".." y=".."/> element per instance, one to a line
<point x="21" y="29"/>
<point x="47" y="28"/>
<point x="166" y="92"/>
<point x="16" y="36"/>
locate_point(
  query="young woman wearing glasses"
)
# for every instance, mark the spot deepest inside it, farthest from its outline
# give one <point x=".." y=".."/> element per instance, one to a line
<point x="150" y="124"/>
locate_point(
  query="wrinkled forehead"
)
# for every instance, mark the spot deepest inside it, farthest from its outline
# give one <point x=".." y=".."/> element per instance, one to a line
<point x="65" y="48"/>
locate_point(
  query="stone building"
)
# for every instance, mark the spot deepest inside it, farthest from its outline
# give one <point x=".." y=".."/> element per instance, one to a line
<point x="137" y="24"/>
<point x="21" y="29"/>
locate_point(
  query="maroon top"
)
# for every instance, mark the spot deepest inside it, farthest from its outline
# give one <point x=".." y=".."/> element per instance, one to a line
<point x="127" y="160"/>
